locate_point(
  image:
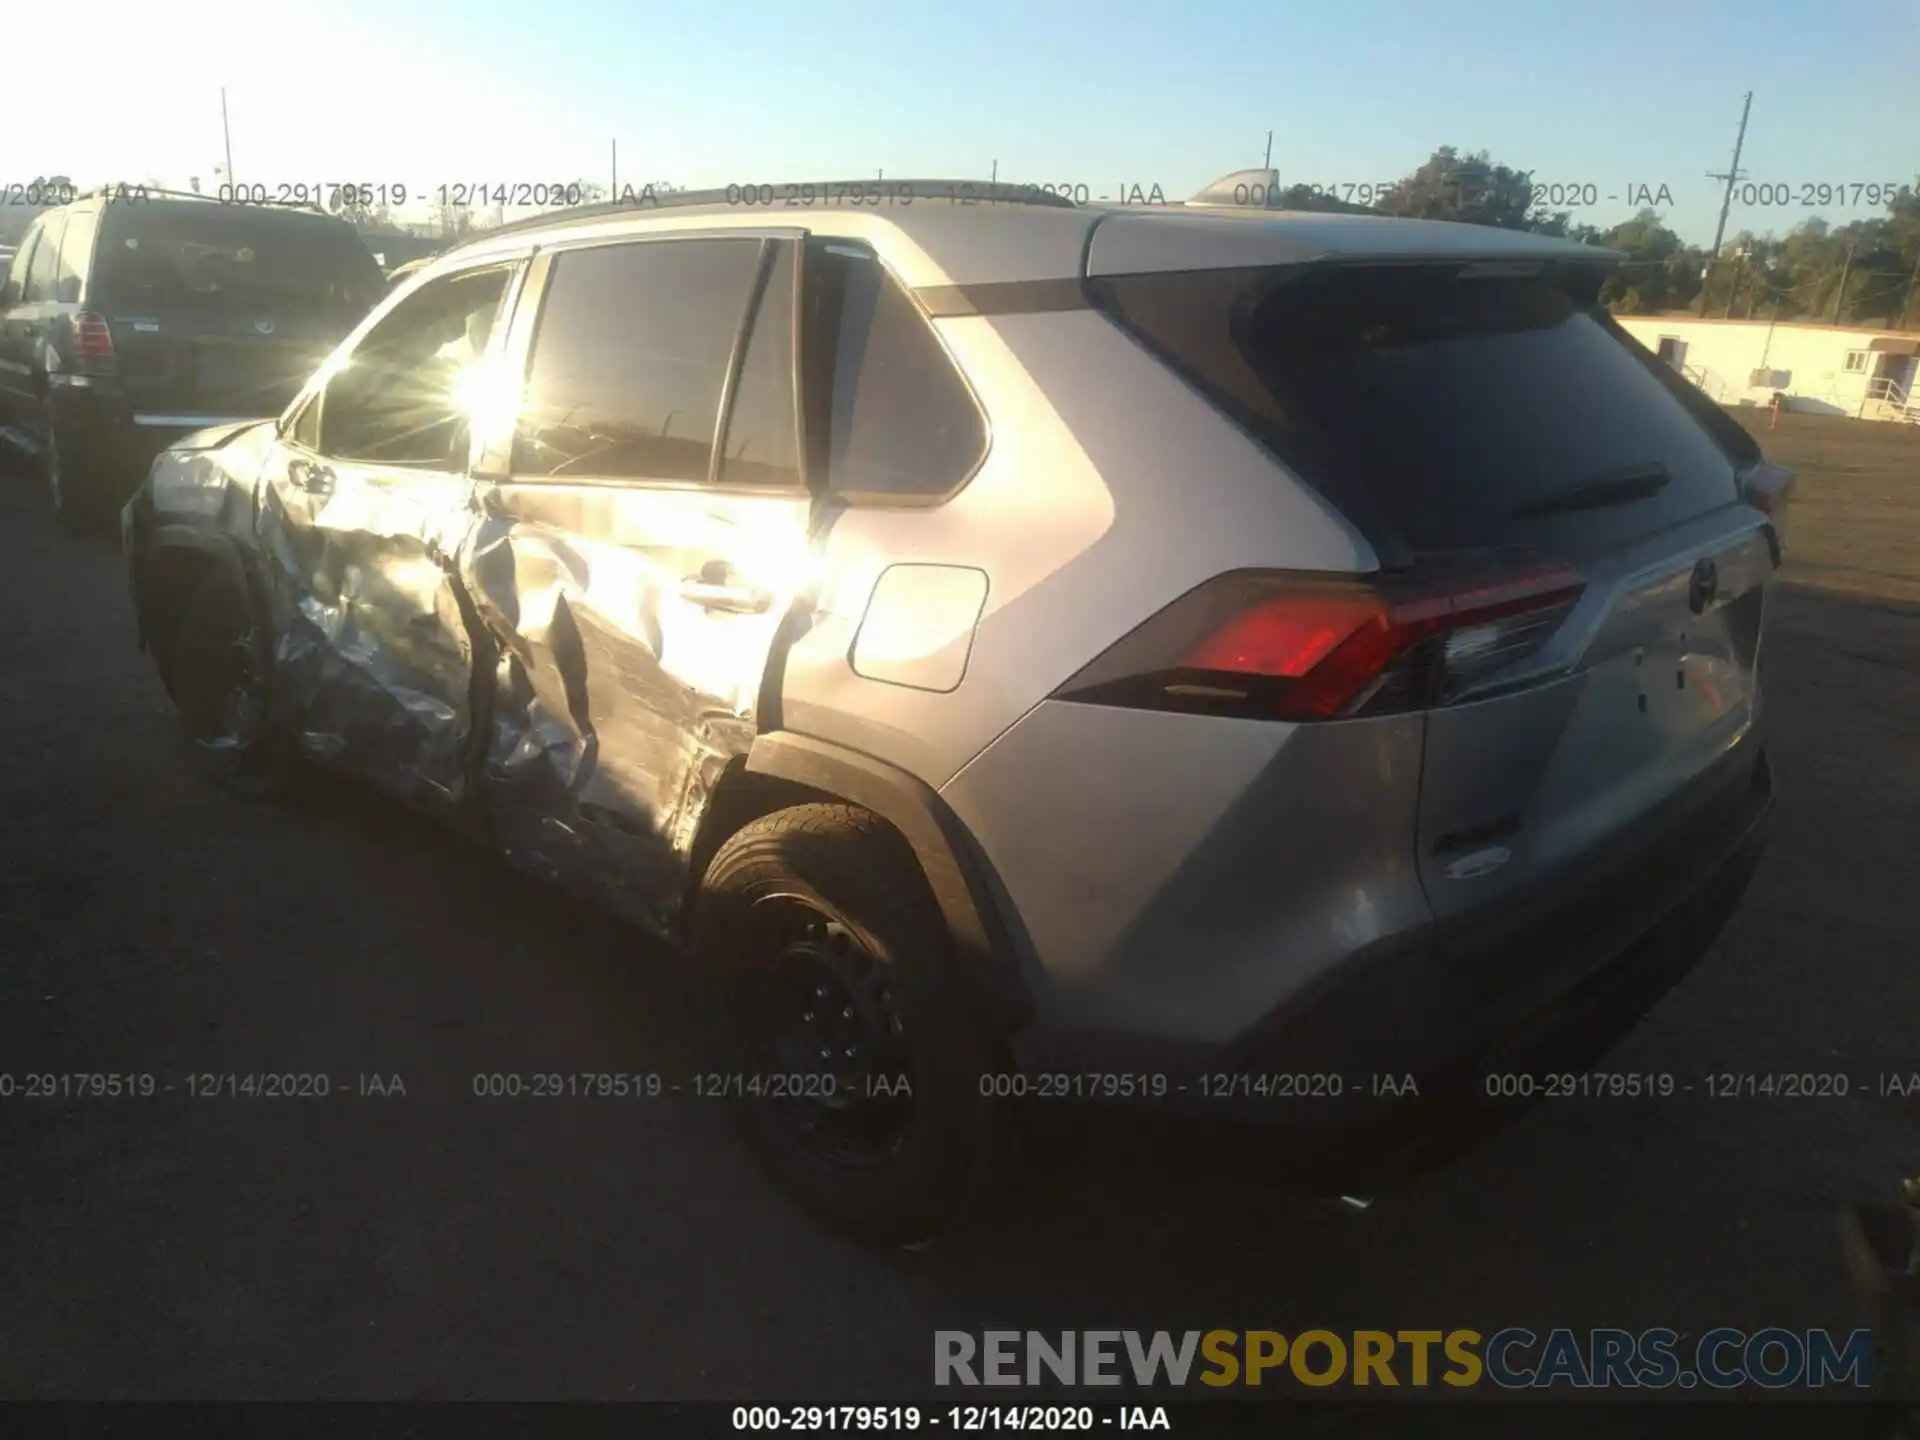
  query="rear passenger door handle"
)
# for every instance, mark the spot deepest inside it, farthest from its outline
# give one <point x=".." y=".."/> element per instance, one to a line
<point x="312" y="478"/>
<point x="729" y="599"/>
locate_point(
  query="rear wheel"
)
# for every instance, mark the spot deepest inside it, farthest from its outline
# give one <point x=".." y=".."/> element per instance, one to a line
<point x="857" y="1050"/>
<point x="77" y="509"/>
<point x="216" y="673"/>
<point x="53" y="469"/>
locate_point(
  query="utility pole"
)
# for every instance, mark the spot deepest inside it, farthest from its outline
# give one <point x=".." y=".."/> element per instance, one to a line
<point x="1840" y="300"/>
<point x="226" y="134"/>
<point x="1907" y="303"/>
<point x="1732" y="177"/>
<point x="613" y="161"/>
<point x="1267" y="164"/>
<point x="996" y="173"/>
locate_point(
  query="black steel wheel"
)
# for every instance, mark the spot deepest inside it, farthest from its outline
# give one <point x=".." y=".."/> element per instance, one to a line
<point x="859" y="1050"/>
<point x="818" y="1021"/>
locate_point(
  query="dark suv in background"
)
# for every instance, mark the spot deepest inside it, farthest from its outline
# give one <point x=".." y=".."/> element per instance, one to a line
<point x="126" y="323"/>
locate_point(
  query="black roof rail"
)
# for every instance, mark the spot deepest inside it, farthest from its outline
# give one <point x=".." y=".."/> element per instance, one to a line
<point x="120" y="186"/>
<point x="161" y="192"/>
<point x="838" y="195"/>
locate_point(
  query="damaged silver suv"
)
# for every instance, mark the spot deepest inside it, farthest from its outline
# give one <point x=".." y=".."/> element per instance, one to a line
<point x="1182" y="656"/>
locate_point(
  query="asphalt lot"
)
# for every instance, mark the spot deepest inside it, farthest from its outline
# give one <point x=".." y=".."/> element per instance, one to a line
<point x="1856" y="514"/>
<point x="442" y="1245"/>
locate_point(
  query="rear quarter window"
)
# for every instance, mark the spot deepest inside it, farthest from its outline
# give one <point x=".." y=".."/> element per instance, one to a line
<point x="890" y="416"/>
<point x="16" y="285"/>
<point x="76" y="248"/>
<point x="45" y="264"/>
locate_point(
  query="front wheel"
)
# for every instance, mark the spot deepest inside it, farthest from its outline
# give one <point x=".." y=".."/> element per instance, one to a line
<point x="859" y="1053"/>
<point x="216" y="672"/>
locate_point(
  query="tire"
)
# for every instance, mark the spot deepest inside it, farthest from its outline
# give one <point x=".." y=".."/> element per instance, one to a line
<point x="216" y="672"/>
<point x="77" y="509"/>
<point x="67" y="518"/>
<point x="824" y="896"/>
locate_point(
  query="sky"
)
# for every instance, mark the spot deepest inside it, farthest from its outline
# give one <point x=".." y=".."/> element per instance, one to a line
<point x="1356" y="92"/>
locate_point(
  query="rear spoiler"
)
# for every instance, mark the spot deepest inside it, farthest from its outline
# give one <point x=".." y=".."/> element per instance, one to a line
<point x="1241" y="190"/>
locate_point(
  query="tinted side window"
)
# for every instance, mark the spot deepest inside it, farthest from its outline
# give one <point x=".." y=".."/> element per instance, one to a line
<point x="630" y="359"/>
<point x="76" y="247"/>
<point x="762" y="445"/>
<point x="16" y="287"/>
<point x="405" y="392"/>
<point x="46" y="259"/>
<point x="898" y="418"/>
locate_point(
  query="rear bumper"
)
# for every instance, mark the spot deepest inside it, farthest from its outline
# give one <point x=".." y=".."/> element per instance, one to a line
<point x="103" y="454"/>
<point x="1543" y="984"/>
<point x="107" y="445"/>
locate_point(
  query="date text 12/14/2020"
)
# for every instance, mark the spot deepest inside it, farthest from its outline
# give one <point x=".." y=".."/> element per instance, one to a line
<point x="961" y="1419"/>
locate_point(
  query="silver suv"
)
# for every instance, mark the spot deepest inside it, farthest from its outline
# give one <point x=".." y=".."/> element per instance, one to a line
<point x="1222" y="660"/>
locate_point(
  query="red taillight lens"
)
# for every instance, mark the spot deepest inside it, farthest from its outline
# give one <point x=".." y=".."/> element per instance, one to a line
<point x="1289" y="648"/>
<point x="1768" y="488"/>
<point x="92" y="340"/>
<point x="1288" y="635"/>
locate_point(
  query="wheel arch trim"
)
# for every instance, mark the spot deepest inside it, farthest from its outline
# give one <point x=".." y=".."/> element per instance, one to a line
<point x="986" y="935"/>
<point x="166" y="546"/>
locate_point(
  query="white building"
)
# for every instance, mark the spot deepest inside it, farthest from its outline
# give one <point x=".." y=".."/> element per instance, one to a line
<point x="1827" y="369"/>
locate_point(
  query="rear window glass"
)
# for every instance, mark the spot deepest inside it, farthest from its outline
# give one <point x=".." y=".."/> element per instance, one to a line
<point x="215" y="257"/>
<point x="1439" y="411"/>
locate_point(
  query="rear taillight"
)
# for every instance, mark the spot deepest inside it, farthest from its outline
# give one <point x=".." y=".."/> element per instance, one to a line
<point x="1285" y="647"/>
<point x="1768" y="488"/>
<point x="92" y="340"/>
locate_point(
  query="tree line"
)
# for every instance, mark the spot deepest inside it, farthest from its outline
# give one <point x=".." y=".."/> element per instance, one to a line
<point x="1862" y="273"/>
